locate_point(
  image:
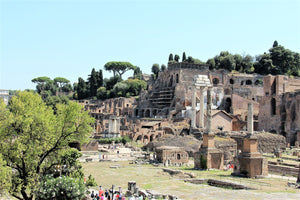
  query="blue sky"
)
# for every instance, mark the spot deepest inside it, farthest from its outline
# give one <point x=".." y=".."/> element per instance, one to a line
<point x="68" y="38"/>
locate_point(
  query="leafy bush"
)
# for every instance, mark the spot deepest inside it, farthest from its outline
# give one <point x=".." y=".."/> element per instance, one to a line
<point x="123" y="140"/>
<point x="91" y="181"/>
<point x="62" y="188"/>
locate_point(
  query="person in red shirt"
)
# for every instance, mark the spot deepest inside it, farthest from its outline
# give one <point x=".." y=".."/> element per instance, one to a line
<point x="100" y="191"/>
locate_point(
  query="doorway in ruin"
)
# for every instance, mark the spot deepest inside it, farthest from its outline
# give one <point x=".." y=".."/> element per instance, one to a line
<point x="228" y="105"/>
<point x="178" y="156"/>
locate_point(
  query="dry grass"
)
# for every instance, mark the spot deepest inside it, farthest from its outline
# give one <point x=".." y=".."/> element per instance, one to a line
<point x="150" y="177"/>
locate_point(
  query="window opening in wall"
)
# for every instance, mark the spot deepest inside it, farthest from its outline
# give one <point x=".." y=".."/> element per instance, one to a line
<point x="248" y="82"/>
<point x="273" y="87"/>
<point x="242" y="82"/>
<point x="273" y="106"/>
<point x="215" y="81"/>
<point x="231" y="81"/>
<point x="177" y="78"/>
<point x="178" y="156"/>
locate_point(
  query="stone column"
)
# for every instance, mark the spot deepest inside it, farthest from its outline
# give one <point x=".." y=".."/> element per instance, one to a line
<point x="201" y="117"/>
<point x="250" y="118"/>
<point x="208" y="111"/>
<point x="193" y="120"/>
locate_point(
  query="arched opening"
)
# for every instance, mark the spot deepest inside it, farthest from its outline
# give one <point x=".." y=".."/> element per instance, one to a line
<point x="228" y="105"/>
<point x="152" y="137"/>
<point x="178" y="156"/>
<point x="215" y="81"/>
<point x="139" y="138"/>
<point x="137" y="112"/>
<point x="273" y="106"/>
<point x="145" y="139"/>
<point x="258" y="82"/>
<point x="177" y="78"/>
<point x="147" y="113"/>
<point x="231" y="81"/>
<point x="242" y="82"/>
<point x="248" y="82"/>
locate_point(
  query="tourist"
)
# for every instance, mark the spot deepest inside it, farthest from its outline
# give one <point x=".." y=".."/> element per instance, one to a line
<point x="106" y="194"/>
<point x="100" y="191"/>
<point x="93" y="194"/>
<point x="102" y="196"/>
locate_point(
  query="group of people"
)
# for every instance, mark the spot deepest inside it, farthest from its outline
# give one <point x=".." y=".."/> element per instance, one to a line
<point x="107" y="195"/>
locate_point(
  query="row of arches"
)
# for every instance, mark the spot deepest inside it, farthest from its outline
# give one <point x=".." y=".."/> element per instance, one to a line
<point x="147" y="112"/>
<point x="145" y="138"/>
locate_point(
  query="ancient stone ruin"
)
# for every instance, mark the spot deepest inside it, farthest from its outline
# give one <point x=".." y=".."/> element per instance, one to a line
<point x="172" y="156"/>
<point x="250" y="163"/>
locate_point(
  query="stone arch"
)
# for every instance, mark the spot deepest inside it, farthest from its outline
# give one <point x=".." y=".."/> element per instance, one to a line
<point x="231" y="81"/>
<point x="215" y="81"/>
<point x="145" y="139"/>
<point x="273" y="106"/>
<point x="248" y="82"/>
<point x="178" y="156"/>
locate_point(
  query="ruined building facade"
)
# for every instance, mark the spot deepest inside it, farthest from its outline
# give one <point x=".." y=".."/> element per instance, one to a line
<point x="280" y="107"/>
<point x="170" y="95"/>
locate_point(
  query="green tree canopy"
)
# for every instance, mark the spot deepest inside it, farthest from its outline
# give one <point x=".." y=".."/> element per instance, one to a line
<point x="171" y="57"/>
<point x="155" y="69"/>
<point x="137" y="73"/>
<point x="118" y="67"/>
<point x="183" y="57"/>
<point x="32" y="137"/>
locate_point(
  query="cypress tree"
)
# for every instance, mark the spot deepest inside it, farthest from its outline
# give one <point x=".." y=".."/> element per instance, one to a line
<point x="183" y="57"/>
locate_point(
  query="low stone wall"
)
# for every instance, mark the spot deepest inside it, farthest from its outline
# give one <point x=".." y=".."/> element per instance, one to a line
<point x="218" y="183"/>
<point x="225" y="184"/>
<point x="279" y="169"/>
